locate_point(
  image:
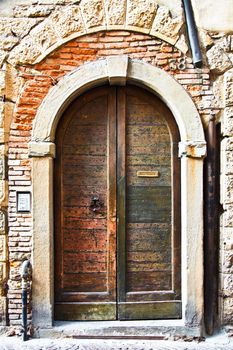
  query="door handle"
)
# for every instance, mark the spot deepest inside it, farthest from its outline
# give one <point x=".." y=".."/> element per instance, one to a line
<point x="95" y="205"/>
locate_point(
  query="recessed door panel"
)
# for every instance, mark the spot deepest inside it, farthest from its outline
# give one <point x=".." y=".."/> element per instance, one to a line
<point x="85" y="207"/>
<point x="117" y="199"/>
<point x="149" y="288"/>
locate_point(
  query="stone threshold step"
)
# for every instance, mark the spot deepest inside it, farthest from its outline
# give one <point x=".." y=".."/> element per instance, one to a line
<point x="157" y="330"/>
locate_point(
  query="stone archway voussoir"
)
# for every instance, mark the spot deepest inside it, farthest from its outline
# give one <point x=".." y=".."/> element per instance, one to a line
<point x="90" y="16"/>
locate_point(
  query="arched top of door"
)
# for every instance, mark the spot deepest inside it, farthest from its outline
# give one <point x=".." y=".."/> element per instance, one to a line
<point x="118" y="70"/>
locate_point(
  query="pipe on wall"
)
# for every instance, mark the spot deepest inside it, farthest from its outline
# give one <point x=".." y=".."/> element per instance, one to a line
<point x="26" y="271"/>
<point x="211" y="229"/>
<point x="192" y="34"/>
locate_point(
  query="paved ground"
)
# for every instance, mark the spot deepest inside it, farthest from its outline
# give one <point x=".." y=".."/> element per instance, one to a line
<point x="220" y="342"/>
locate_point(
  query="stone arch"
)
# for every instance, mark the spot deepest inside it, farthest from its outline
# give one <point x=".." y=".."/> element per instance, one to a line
<point x="119" y="70"/>
<point x="68" y="22"/>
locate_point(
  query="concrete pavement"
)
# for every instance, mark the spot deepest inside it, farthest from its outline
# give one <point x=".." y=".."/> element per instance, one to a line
<point x="219" y="342"/>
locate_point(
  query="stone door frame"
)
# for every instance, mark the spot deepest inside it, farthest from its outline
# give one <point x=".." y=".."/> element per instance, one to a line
<point x="192" y="149"/>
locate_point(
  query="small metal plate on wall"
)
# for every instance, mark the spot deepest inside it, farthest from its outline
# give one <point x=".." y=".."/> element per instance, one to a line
<point x="148" y="174"/>
<point x="23" y="200"/>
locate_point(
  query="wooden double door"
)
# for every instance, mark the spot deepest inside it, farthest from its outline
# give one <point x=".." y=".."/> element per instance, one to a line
<point x="117" y="208"/>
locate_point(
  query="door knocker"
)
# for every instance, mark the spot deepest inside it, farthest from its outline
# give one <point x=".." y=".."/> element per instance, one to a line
<point x="96" y="204"/>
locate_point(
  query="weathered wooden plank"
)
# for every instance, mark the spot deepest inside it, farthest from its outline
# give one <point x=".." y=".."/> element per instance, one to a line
<point x="149" y="208"/>
<point x="86" y="170"/>
<point x="161" y="227"/>
<point x="112" y="192"/>
<point x="149" y="204"/>
<point x="141" y="281"/>
<point x="81" y="234"/>
<point x="81" y="195"/>
<point x="84" y="232"/>
<point x="75" y="256"/>
<point x="85" y="311"/>
<point x="152" y="296"/>
<point x="87" y="134"/>
<point x="133" y="180"/>
<point x="85" y="212"/>
<point x="86" y="241"/>
<point x="135" y="266"/>
<point x="146" y="244"/>
<point x="151" y="160"/>
<point x="121" y="194"/>
<point x="70" y="223"/>
<point x="149" y="149"/>
<point x="144" y="139"/>
<point x="72" y="265"/>
<point x="77" y="160"/>
<point x="149" y="310"/>
<point x="86" y="149"/>
<point x="148" y="257"/>
<point x="93" y="282"/>
<point x="157" y="238"/>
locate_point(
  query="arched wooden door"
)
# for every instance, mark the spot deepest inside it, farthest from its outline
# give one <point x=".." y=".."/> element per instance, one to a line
<point x="117" y="208"/>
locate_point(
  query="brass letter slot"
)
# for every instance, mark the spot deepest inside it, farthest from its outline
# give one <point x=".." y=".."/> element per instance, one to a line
<point x="147" y="174"/>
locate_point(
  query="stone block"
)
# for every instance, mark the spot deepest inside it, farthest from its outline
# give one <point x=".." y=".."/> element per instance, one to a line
<point x="20" y="11"/>
<point x="227" y="189"/>
<point x="205" y="40"/>
<point x="18" y="27"/>
<point x="227" y="280"/>
<point x="2" y="167"/>
<point x="68" y="22"/>
<point x="192" y="150"/>
<point x="115" y="12"/>
<point x="40" y="10"/>
<point x="93" y="13"/>
<point x="218" y="60"/>
<point x="226" y="236"/>
<point x="2" y="135"/>
<point x="33" y="11"/>
<point x="2" y="222"/>
<point x="2" y="273"/>
<point x="3" y="306"/>
<point x="2" y="82"/>
<point x="218" y="90"/>
<point x="227" y="125"/>
<point x="122" y="63"/>
<point x="26" y="52"/>
<point x="3" y="55"/>
<point x="228" y="309"/>
<point x="181" y="44"/>
<point x="2" y="105"/>
<point x="2" y="190"/>
<point x="2" y="248"/>
<point x="228" y="217"/>
<point x="7" y="42"/>
<point x="227" y="163"/>
<point x="44" y="35"/>
<point x="41" y="149"/>
<point x="227" y="144"/>
<point x="228" y="265"/>
<point x="141" y="13"/>
<point x="228" y="88"/>
<point x="14" y="84"/>
<point x="165" y="24"/>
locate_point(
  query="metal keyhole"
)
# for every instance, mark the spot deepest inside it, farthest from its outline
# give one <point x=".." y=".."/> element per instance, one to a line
<point x="95" y="203"/>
